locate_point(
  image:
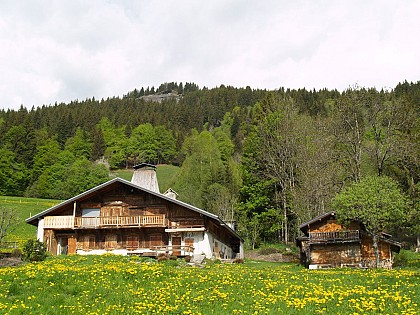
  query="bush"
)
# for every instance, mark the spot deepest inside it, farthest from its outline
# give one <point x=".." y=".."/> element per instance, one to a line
<point x="34" y="250"/>
<point x="401" y="259"/>
<point x="187" y="259"/>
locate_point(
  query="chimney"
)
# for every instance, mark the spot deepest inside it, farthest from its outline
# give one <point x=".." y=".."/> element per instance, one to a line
<point x="145" y="176"/>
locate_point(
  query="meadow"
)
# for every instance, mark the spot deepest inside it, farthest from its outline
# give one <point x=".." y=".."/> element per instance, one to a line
<point x="130" y="285"/>
<point x="25" y="207"/>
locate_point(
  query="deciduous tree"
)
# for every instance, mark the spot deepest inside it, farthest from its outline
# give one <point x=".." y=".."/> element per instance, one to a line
<point x="375" y="201"/>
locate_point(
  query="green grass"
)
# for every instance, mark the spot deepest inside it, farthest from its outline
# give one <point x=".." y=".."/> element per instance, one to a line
<point x="123" y="285"/>
<point x="166" y="175"/>
<point x="25" y="207"/>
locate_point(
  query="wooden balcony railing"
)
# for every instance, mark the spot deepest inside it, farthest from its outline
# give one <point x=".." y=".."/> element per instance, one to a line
<point x="59" y="222"/>
<point x="120" y="221"/>
<point x="347" y="235"/>
<point x="70" y="222"/>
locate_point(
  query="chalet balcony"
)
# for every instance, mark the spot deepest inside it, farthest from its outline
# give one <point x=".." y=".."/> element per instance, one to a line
<point x="334" y="236"/>
<point x="70" y="222"/>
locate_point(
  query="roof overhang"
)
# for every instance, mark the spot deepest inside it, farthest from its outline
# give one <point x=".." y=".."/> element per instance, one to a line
<point x="200" y="229"/>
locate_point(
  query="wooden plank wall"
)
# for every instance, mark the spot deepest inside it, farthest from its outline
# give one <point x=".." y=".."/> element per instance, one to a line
<point x="335" y="254"/>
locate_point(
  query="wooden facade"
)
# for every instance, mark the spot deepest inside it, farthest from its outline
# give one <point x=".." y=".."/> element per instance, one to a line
<point x="327" y="243"/>
<point x="123" y="218"/>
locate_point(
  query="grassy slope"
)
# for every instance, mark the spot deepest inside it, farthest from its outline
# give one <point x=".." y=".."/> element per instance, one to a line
<point x="25" y="208"/>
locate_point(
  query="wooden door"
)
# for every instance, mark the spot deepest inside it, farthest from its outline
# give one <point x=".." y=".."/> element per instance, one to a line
<point x="189" y="245"/>
<point x="176" y="246"/>
<point x="71" y="245"/>
<point x="63" y="245"/>
<point x="216" y="250"/>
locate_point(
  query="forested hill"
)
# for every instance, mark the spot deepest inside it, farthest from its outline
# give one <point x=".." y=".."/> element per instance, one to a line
<point x="266" y="159"/>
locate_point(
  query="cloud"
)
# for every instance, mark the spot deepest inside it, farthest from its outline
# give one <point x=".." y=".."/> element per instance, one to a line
<point x="60" y="51"/>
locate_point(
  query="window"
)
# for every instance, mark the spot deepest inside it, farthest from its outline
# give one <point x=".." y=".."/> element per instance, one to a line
<point x="90" y="217"/>
<point x="132" y="242"/>
<point x="92" y="213"/>
<point x="110" y="241"/>
<point x="89" y="242"/>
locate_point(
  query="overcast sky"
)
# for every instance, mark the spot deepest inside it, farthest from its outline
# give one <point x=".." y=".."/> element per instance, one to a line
<point x="58" y="51"/>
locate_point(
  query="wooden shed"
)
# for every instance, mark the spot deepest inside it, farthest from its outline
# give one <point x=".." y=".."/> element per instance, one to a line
<point x="327" y="243"/>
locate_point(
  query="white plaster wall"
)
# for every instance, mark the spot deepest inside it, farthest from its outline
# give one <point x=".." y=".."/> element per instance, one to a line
<point x="206" y="246"/>
<point x="40" y="230"/>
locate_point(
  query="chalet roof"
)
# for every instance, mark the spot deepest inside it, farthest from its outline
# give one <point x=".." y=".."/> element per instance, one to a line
<point x="34" y="219"/>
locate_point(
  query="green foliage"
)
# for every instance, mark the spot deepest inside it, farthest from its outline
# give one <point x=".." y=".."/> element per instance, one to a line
<point x="34" y="250"/>
<point x="376" y="201"/>
<point x="150" y="144"/>
<point x="79" y="145"/>
<point x="401" y="259"/>
<point x="13" y="175"/>
<point x="209" y="177"/>
<point x="67" y="177"/>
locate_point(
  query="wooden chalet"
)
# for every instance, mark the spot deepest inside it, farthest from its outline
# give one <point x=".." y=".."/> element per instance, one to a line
<point x="327" y="243"/>
<point x="125" y="217"/>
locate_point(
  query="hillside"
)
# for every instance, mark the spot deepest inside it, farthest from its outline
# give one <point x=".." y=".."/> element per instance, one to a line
<point x="25" y="208"/>
<point x="269" y="160"/>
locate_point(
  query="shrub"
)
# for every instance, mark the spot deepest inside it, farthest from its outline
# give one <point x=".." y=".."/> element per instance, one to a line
<point x="238" y="261"/>
<point x="34" y="250"/>
<point x="401" y="259"/>
<point x="187" y="259"/>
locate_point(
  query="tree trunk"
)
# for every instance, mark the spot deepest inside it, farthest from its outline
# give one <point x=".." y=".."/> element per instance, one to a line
<point x="418" y="243"/>
<point x="286" y="231"/>
<point x="376" y="249"/>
